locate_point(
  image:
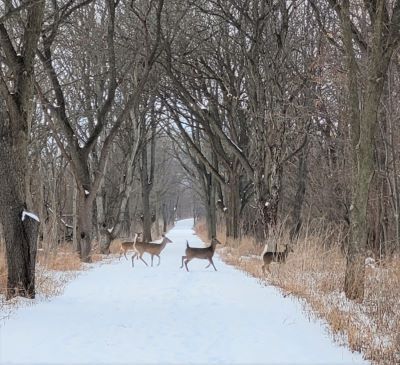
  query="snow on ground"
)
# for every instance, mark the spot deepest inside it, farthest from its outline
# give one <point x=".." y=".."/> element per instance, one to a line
<point x="118" y="314"/>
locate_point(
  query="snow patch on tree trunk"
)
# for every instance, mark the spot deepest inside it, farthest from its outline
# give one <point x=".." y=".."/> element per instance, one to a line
<point x="30" y="215"/>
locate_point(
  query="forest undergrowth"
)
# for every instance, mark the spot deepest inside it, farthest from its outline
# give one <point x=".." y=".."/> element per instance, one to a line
<point x="55" y="267"/>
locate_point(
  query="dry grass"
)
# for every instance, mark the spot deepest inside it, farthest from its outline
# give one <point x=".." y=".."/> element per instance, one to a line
<point x="64" y="258"/>
<point x="56" y="266"/>
<point x="3" y="270"/>
<point x="314" y="271"/>
<point x="115" y="246"/>
<point x="54" y="269"/>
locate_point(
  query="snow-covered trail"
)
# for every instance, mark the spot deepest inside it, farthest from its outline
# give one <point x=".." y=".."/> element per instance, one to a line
<point x="114" y="313"/>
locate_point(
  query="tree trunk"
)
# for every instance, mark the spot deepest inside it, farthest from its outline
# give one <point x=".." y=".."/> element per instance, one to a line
<point x="233" y="212"/>
<point x="355" y="264"/>
<point x="146" y="187"/>
<point x="213" y="218"/>
<point x="300" y="193"/>
<point x="269" y="202"/>
<point x="363" y="124"/>
<point x="165" y="217"/>
<point x="211" y="211"/>
<point x="147" y="178"/>
<point x="158" y="213"/>
<point x="146" y="212"/>
<point x="122" y="224"/>
<point x="85" y="226"/>
<point x="21" y="247"/>
<point x="364" y="151"/>
<point x="20" y="236"/>
<point x="75" y="217"/>
<point x="100" y="208"/>
<point x="106" y="238"/>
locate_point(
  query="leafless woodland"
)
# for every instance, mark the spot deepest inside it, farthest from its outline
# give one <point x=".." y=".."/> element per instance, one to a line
<point x="256" y="116"/>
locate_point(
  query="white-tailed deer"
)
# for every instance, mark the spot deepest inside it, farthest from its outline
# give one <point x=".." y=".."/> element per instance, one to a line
<point x="206" y="253"/>
<point x="279" y="255"/>
<point x="127" y="245"/>
<point x="154" y="249"/>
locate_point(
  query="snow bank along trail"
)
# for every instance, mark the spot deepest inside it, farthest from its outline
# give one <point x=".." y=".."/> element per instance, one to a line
<point x="114" y="313"/>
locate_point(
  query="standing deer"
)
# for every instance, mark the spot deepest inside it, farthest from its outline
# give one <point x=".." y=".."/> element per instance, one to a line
<point x="126" y="245"/>
<point x="206" y="253"/>
<point x="154" y="249"/>
<point x="276" y="256"/>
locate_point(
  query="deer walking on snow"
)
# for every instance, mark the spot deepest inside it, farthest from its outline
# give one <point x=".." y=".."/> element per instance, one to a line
<point x="154" y="249"/>
<point x="206" y="253"/>
<point x="127" y="245"/>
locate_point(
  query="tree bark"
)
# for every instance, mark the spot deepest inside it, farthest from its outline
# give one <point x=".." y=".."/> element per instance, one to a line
<point x="20" y="236"/>
<point x="85" y="225"/>
<point x="165" y="217"/>
<point x="146" y="211"/>
<point x="233" y="212"/>
<point x="75" y="217"/>
<point x="385" y="37"/>
<point x="211" y="216"/>
<point x="300" y="193"/>
<point x="158" y="213"/>
<point x="269" y="191"/>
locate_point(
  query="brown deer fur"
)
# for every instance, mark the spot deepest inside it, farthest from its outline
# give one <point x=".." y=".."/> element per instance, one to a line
<point x="206" y="253"/>
<point x="127" y="245"/>
<point x="154" y="249"/>
<point x="269" y="257"/>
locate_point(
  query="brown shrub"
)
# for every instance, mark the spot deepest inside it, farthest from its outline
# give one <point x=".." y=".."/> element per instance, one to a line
<point x="64" y="258"/>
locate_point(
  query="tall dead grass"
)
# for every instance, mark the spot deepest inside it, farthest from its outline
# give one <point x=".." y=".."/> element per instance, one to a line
<point x="3" y="270"/>
<point x="61" y="259"/>
<point x="314" y="272"/>
<point x="55" y="267"/>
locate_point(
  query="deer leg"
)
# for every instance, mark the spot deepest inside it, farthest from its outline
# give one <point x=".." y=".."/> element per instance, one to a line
<point x="152" y="260"/>
<point x="183" y="257"/>
<point x="186" y="262"/>
<point x="133" y="258"/>
<point x="120" y="254"/>
<point x="140" y="257"/>
<point x="209" y="263"/>
<point x="158" y="260"/>
<point x="212" y="263"/>
<point x="266" y="267"/>
<point x="125" y="255"/>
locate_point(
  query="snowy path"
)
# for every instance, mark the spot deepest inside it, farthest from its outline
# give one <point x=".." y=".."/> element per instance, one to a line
<point x="115" y="314"/>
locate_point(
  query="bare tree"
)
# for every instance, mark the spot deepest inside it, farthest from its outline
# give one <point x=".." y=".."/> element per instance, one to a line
<point x="18" y="40"/>
<point x="146" y="168"/>
<point x="363" y="113"/>
<point x="77" y="142"/>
